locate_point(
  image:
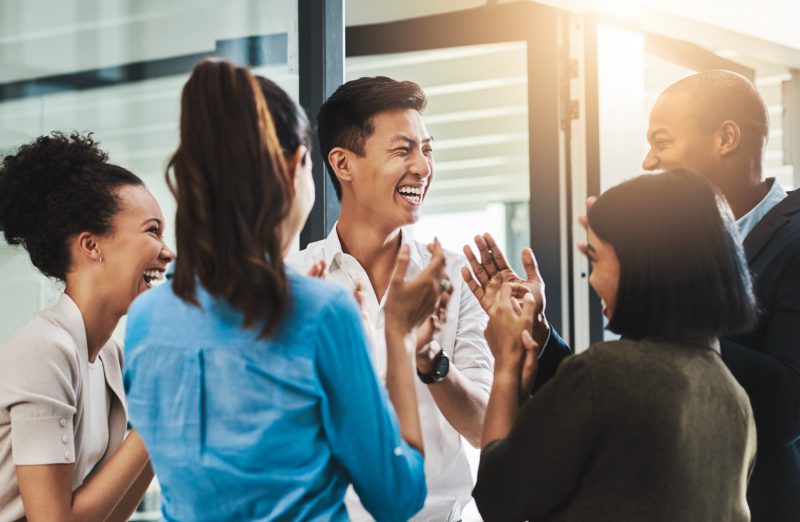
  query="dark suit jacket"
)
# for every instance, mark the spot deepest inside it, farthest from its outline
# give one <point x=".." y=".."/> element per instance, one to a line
<point x="766" y="362"/>
<point x="639" y="431"/>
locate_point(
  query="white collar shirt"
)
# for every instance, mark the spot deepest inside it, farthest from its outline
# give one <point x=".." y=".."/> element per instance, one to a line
<point x="447" y="471"/>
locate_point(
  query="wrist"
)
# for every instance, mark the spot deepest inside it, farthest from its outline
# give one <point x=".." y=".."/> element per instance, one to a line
<point x="426" y="357"/>
<point x="541" y="331"/>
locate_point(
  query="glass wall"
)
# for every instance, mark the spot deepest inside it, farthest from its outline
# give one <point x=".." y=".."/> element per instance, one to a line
<point x="116" y="68"/>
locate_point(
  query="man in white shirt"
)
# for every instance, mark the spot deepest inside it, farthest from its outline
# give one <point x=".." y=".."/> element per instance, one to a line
<point x="380" y="157"/>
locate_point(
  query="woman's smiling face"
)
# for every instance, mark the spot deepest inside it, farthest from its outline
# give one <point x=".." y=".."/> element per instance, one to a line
<point x="134" y="254"/>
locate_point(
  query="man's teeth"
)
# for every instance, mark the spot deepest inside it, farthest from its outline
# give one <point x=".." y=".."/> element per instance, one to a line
<point x="414" y="193"/>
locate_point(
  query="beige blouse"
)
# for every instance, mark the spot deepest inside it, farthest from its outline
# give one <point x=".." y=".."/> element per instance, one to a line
<point x="44" y="399"/>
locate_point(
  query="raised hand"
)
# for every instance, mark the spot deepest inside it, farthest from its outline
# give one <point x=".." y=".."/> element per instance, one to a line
<point x="493" y="263"/>
<point x="410" y="303"/>
<point x="507" y="322"/>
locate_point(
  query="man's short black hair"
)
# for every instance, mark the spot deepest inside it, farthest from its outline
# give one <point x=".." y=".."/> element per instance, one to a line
<point x="683" y="273"/>
<point x="718" y="95"/>
<point x="345" y="119"/>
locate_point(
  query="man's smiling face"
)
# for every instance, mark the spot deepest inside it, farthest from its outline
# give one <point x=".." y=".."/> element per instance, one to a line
<point x="390" y="181"/>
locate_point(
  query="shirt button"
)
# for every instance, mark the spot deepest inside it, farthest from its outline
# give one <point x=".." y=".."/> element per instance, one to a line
<point x="68" y="455"/>
<point x="62" y="422"/>
<point x="398" y="451"/>
<point x="65" y="439"/>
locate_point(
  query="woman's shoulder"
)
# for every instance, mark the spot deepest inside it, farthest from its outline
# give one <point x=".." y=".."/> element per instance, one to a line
<point x="45" y="336"/>
<point x="312" y="294"/>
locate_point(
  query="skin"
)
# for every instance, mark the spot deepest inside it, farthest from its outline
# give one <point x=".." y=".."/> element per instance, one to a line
<point x="604" y="276"/>
<point x="678" y="139"/>
<point x="398" y="153"/>
<point x="508" y="335"/>
<point x="105" y="276"/>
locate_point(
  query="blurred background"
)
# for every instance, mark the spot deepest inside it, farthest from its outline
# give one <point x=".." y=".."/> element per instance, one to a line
<point x="533" y="105"/>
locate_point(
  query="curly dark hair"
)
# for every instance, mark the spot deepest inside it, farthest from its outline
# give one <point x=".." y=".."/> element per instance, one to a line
<point x="54" y="188"/>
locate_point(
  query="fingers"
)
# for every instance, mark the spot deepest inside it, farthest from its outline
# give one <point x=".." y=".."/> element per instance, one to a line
<point x="358" y="294"/>
<point x="498" y="257"/>
<point x="590" y="201"/>
<point x="436" y="265"/>
<point x="486" y="256"/>
<point x="530" y="264"/>
<point x="477" y="268"/>
<point x="584" y="248"/>
<point x="474" y="287"/>
<point x="400" y="268"/>
<point x="317" y="269"/>
<point x="528" y="310"/>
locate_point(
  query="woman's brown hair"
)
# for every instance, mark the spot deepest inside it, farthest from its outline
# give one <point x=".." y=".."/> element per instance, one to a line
<point x="233" y="192"/>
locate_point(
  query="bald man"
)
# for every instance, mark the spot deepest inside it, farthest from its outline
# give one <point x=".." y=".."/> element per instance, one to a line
<point x="717" y="124"/>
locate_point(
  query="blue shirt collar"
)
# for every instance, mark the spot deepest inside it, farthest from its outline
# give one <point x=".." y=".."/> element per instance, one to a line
<point x="747" y="223"/>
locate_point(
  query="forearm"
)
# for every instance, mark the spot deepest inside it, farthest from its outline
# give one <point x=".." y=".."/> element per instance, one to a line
<point x="133" y="497"/>
<point x="400" y="385"/>
<point x="503" y="405"/>
<point x="463" y="404"/>
<point x="97" y="498"/>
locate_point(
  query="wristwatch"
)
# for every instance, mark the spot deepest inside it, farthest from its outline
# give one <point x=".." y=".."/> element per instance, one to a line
<point x="441" y="366"/>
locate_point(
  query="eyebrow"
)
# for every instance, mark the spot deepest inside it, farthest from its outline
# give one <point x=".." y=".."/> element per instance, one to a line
<point x="409" y="140"/>
<point x="590" y="248"/>
<point x="653" y="135"/>
<point x="158" y="221"/>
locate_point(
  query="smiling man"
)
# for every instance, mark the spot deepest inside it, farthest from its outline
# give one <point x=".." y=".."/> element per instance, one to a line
<point x="380" y="158"/>
<point x="716" y="124"/>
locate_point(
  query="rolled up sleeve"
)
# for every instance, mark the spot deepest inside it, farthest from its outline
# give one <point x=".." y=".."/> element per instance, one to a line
<point x="359" y="420"/>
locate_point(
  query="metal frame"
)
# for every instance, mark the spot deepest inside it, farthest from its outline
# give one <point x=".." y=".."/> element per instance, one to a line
<point x="321" y="52"/>
<point x="537" y="25"/>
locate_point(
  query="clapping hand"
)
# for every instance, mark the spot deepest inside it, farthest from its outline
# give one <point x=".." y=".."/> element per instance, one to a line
<point x="493" y="265"/>
<point x="509" y="334"/>
<point x="409" y="304"/>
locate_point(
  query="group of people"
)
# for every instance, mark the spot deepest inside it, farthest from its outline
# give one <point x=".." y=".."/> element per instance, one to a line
<point x="340" y="382"/>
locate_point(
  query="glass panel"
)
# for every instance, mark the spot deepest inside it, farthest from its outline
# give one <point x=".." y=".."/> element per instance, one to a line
<point x="116" y="68"/>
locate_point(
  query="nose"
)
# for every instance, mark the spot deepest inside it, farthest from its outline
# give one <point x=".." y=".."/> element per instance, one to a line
<point x="166" y="254"/>
<point x="650" y="161"/>
<point x="422" y="165"/>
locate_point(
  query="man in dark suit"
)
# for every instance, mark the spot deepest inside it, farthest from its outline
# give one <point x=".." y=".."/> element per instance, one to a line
<point x="716" y="124"/>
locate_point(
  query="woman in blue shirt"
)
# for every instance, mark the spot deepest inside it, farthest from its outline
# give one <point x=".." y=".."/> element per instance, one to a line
<point x="251" y="385"/>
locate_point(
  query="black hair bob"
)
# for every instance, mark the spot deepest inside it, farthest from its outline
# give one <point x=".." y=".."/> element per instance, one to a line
<point x="683" y="273"/>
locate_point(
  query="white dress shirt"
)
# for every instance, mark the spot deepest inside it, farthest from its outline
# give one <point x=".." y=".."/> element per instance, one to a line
<point x="447" y="471"/>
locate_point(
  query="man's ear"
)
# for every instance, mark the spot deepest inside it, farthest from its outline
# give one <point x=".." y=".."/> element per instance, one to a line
<point x="340" y="161"/>
<point x="87" y="247"/>
<point x="730" y="137"/>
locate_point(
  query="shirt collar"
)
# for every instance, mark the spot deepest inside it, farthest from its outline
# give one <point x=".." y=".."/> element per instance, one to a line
<point x="746" y="223"/>
<point x="332" y="247"/>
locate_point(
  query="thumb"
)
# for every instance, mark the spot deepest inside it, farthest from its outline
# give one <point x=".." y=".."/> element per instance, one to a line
<point x="400" y="268"/>
<point x="528" y="310"/>
<point x="530" y="264"/>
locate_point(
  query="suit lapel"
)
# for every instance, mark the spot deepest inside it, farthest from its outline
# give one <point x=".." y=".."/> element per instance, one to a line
<point x="775" y="219"/>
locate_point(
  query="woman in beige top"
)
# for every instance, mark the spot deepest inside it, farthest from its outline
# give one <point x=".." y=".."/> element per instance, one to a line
<point x="95" y="227"/>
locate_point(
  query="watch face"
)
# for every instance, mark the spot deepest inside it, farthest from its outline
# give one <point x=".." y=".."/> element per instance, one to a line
<point x="442" y="366"/>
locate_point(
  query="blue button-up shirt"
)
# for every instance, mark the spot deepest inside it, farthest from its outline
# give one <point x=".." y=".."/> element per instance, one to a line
<point x="242" y="428"/>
